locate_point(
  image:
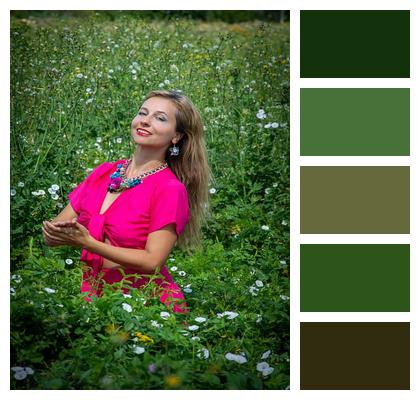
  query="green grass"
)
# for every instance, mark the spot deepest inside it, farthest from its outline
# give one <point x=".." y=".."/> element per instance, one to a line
<point x="75" y="86"/>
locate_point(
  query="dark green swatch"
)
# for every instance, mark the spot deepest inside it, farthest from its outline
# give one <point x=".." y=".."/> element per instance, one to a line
<point x="355" y="199"/>
<point x="355" y="122"/>
<point x="355" y="44"/>
<point x="355" y="355"/>
<point x="354" y="277"/>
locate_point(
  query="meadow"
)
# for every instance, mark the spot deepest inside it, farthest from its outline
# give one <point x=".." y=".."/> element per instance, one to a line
<point x="76" y="84"/>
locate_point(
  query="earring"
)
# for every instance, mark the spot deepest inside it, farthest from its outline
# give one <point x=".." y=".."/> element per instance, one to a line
<point x="174" y="150"/>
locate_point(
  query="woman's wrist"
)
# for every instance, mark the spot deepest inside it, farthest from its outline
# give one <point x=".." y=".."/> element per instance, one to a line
<point x="90" y="244"/>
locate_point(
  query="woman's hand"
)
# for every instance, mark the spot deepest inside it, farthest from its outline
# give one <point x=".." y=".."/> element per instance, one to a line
<point x="65" y="233"/>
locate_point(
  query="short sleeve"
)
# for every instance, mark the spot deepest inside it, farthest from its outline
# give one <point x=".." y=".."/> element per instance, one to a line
<point x="169" y="204"/>
<point x="77" y="195"/>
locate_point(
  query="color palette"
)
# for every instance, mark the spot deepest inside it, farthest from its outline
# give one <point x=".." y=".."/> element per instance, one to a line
<point x="354" y="277"/>
<point x="355" y="122"/>
<point x="355" y="44"/>
<point x="355" y="355"/>
<point x="355" y="199"/>
<point x="366" y="195"/>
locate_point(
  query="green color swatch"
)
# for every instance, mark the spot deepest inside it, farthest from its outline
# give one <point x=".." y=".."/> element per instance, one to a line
<point x="355" y="44"/>
<point x="355" y="199"/>
<point x="355" y="122"/>
<point x="355" y="355"/>
<point x="354" y="277"/>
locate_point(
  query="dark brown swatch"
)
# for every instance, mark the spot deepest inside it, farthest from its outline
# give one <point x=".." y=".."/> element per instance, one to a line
<point x="359" y="199"/>
<point x="355" y="355"/>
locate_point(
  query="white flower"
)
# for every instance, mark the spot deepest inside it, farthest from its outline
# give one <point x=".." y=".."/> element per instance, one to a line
<point x="237" y="358"/>
<point x="164" y="315"/>
<point x="182" y="273"/>
<point x="119" y="140"/>
<point x="49" y="290"/>
<point x="138" y="350"/>
<point x="193" y="327"/>
<point x="284" y="222"/>
<point x="60" y="305"/>
<point x="253" y="290"/>
<point x="173" y="67"/>
<point x="187" y="290"/>
<point x="98" y="140"/>
<point x="40" y="192"/>
<point x="69" y="261"/>
<point x="264" y="368"/>
<point x="195" y="338"/>
<point x="230" y="314"/>
<point x="174" y="268"/>
<point x="265" y="227"/>
<point x="127" y="296"/>
<point x="17" y="369"/>
<point x="79" y="76"/>
<point x="19" y="375"/>
<point x="127" y="307"/>
<point x="155" y="324"/>
<point x="200" y="319"/>
<point x="21" y="184"/>
<point x="185" y="46"/>
<point x="166" y="81"/>
<point x="133" y="71"/>
<point x="284" y="298"/>
<point x="267" y="191"/>
<point x="17" y="278"/>
<point x="274" y="125"/>
<point x="275" y="184"/>
<point x="12" y="291"/>
<point x="161" y="85"/>
<point x="54" y="196"/>
<point x="267" y="125"/>
<point x="172" y="259"/>
<point x="29" y="371"/>
<point x="259" y="283"/>
<point x="12" y="192"/>
<point x="88" y="101"/>
<point x="261" y="114"/>
<point x="55" y="187"/>
<point x="203" y="353"/>
<point x="88" y="90"/>
<point x="282" y="262"/>
<point x="36" y="193"/>
<point x="110" y="71"/>
<point x="259" y="318"/>
<point x="266" y="355"/>
<point x="212" y="191"/>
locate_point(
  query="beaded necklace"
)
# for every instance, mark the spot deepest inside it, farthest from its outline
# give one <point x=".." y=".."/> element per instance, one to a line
<point x="120" y="182"/>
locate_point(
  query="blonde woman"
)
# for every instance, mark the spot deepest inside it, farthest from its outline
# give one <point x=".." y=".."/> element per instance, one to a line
<point x="127" y="215"/>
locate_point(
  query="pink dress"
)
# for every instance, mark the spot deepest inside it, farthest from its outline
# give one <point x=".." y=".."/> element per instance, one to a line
<point x="159" y="200"/>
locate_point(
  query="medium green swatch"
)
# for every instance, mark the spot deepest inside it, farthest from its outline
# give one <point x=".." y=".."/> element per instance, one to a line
<point x="355" y="355"/>
<point x="355" y="199"/>
<point x="355" y="122"/>
<point x="354" y="277"/>
<point x="355" y="44"/>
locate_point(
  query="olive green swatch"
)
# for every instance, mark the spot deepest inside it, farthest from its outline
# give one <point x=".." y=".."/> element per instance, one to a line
<point x="355" y="199"/>
<point x="355" y="355"/>
<point x="355" y="122"/>
<point x="355" y="44"/>
<point x="354" y="277"/>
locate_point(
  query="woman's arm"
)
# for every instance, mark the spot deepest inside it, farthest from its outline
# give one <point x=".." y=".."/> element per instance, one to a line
<point x="159" y="245"/>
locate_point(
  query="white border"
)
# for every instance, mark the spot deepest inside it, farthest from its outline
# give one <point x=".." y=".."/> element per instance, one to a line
<point x="296" y="83"/>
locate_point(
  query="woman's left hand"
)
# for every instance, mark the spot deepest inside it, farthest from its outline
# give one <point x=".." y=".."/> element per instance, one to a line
<point x="70" y="233"/>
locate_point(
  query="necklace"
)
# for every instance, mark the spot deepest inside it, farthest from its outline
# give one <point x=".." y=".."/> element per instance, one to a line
<point x="120" y="182"/>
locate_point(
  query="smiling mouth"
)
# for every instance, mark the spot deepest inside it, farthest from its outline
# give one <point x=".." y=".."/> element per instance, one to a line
<point x="143" y="132"/>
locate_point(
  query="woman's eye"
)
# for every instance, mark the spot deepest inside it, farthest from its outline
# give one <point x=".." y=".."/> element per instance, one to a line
<point x="142" y="113"/>
<point x="161" y="119"/>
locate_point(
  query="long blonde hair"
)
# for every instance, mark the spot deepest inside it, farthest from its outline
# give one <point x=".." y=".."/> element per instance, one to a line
<point x="190" y="166"/>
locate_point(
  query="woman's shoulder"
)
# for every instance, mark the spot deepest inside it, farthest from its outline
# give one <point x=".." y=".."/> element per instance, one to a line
<point x="168" y="180"/>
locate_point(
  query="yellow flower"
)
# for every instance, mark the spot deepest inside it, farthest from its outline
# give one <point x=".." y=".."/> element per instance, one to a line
<point x="144" y="338"/>
<point x="172" y="380"/>
<point x="111" y="328"/>
<point x="234" y="229"/>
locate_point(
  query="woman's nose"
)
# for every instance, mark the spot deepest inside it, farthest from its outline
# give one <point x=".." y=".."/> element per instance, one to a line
<point x="144" y="120"/>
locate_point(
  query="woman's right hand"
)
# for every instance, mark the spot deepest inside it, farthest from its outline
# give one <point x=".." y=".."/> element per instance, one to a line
<point x="51" y="241"/>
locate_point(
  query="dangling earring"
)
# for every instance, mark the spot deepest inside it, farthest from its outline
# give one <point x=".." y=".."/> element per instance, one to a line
<point x="174" y="150"/>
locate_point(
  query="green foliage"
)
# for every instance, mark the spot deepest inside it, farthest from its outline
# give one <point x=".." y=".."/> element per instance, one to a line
<point x="76" y="84"/>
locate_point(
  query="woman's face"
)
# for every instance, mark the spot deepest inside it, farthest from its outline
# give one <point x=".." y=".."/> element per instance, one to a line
<point x="155" y="123"/>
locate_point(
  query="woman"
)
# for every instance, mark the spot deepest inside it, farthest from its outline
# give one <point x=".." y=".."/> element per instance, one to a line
<point x="164" y="199"/>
